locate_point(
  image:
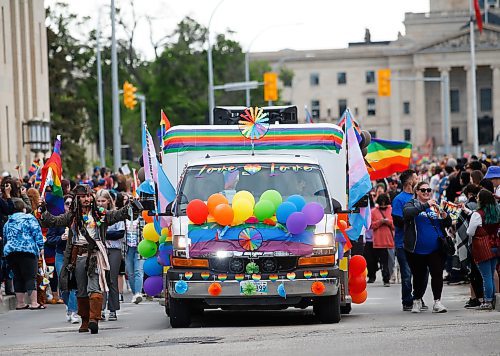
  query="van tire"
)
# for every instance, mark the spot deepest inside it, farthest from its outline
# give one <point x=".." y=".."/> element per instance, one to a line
<point x="180" y="313"/>
<point x="346" y="309"/>
<point x="327" y="309"/>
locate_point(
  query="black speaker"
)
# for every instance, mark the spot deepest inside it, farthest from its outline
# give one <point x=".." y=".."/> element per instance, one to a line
<point x="231" y="115"/>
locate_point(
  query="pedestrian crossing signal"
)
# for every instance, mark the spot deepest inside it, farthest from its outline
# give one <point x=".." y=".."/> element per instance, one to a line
<point x="384" y="82"/>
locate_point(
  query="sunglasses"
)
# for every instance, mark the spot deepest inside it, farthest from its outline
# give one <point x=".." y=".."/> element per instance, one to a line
<point x="68" y="202"/>
<point x="425" y="190"/>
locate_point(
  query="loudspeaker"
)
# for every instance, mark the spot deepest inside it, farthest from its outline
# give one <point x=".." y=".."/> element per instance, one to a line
<point x="231" y="115"/>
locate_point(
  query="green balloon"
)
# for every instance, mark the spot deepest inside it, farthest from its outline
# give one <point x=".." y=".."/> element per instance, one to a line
<point x="147" y="248"/>
<point x="264" y="209"/>
<point x="273" y="196"/>
<point x="162" y="239"/>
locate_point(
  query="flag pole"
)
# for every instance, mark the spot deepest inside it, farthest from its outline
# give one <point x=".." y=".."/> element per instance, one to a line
<point x="473" y="80"/>
<point x="148" y="137"/>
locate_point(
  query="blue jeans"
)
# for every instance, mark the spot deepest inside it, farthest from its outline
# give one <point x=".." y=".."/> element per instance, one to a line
<point x="68" y="297"/>
<point x="134" y="267"/>
<point x="404" y="268"/>
<point x="487" y="269"/>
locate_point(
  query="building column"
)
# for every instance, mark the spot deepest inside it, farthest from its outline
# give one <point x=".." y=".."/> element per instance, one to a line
<point x="394" y="108"/>
<point x="420" y="117"/>
<point x="445" y="109"/>
<point x="495" y="97"/>
<point x="470" y="115"/>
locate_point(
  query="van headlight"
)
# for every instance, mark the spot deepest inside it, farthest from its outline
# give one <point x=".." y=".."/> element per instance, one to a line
<point x="323" y="240"/>
<point x="179" y="242"/>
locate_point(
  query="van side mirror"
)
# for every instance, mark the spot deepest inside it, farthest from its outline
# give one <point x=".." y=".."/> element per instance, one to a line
<point x="336" y="206"/>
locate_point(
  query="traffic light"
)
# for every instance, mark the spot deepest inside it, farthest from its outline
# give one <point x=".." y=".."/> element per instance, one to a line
<point x="270" y="86"/>
<point x="129" y="95"/>
<point x="384" y="82"/>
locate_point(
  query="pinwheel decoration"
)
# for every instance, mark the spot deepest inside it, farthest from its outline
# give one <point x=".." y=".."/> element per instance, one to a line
<point x="255" y="123"/>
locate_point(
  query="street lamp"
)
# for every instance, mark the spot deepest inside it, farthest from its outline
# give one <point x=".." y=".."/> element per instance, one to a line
<point x="211" y="96"/>
<point x="39" y="135"/>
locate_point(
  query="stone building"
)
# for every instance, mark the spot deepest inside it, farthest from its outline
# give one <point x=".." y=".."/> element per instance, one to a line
<point x="435" y="44"/>
<point x="24" y="80"/>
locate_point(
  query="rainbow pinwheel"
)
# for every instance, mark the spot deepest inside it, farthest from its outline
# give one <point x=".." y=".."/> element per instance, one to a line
<point x="250" y="239"/>
<point x="255" y="123"/>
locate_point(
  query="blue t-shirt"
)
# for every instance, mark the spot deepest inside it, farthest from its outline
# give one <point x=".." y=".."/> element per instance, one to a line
<point x="427" y="234"/>
<point x="397" y="209"/>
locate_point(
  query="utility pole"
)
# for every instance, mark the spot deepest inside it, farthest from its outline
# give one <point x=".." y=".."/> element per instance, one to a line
<point x="117" y="140"/>
<point x="102" y="156"/>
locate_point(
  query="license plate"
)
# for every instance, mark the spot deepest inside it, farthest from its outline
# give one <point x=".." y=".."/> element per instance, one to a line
<point x="260" y="287"/>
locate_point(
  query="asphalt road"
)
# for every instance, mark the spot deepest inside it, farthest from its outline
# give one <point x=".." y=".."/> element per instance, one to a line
<point x="378" y="327"/>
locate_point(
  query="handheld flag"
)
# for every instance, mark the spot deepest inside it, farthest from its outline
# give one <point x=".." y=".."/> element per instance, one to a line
<point x="308" y="115"/>
<point x="51" y="177"/>
<point x="387" y="157"/>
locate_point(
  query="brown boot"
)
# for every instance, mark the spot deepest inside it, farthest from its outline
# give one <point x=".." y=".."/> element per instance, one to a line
<point x="84" y="312"/>
<point x="96" y="300"/>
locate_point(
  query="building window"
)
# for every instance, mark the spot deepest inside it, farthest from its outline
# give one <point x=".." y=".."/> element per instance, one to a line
<point x="356" y="111"/>
<point x="455" y="136"/>
<point x="406" y="107"/>
<point x="370" y="107"/>
<point x="485" y="98"/>
<point x="342" y="106"/>
<point x="373" y="134"/>
<point x="329" y="112"/>
<point x="315" y="109"/>
<point x="314" y="79"/>
<point x="407" y="134"/>
<point x="370" y="76"/>
<point x="454" y="100"/>
<point x="341" y="78"/>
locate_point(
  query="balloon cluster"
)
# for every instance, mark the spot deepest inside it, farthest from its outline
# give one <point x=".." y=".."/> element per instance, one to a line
<point x="294" y="212"/>
<point x="357" y="279"/>
<point x="156" y="249"/>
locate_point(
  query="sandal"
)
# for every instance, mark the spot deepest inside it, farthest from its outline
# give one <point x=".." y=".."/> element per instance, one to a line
<point x="40" y="306"/>
<point x="23" y="308"/>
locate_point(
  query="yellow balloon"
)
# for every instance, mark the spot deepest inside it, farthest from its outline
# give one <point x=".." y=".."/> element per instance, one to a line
<point x="245" y="194"/>
<point x="165" y="231"/>
<point x="243" y="209"/>
<point x="149" y="232"/>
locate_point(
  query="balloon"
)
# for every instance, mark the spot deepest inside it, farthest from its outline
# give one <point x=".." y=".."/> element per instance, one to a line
<point x="281" y="290"/>
<point x="359" y="298"/>
<point x="148" y="219"/>
<point x="153" y="285"/>
<point x="365" y="273"/>
<point x="197" y="211"/>
<point x="223" y="214"/>
<point x="165" y="251"/>
<point x="296" y="223"/>
<point x="181" y="287"/>
<point x="244" y="194"/>
<point x="243" y="209"/>
<point x="298" y="200"/>
<point x="273" y="196"/>
<point x="152" y="267"/>
<point x="141" y="174"/>
<point x="214" y="200"/>
<point x="342" y="225"/>
<point x="215" y="289"/>
<point x="357" y="284"/>
<point x="357" y="265"/>
<point x="147" y="248"/>
<point x="165" y="231"/>
<point x="314" y="213"/>
<point x="284" y="211"/>
<point x="264" y="209"/>
<point x="149" y="232"/>
<point x="318" y="288"/>
<point x="162" y="239"/>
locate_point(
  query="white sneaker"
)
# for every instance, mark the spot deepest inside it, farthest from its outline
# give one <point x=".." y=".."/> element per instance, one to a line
<point x="417" y="306"/>
<point x="137" y="298"/>
<point x="438" y="307"/>
<point x="68" y="317"/>
<point x="74" y="318"/>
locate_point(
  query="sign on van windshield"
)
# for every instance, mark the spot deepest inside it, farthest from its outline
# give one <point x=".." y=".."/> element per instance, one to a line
<point x="306" y="180"/>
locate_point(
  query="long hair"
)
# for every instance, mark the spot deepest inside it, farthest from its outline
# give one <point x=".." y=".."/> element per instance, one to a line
<point x="34" y="196"/>
<point x="76" y="208"/>
<point x="487" y="202"/>
<point x="103" y="193"/>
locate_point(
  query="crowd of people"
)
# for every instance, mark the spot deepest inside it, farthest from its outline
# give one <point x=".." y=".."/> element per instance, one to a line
<point x="440" y="216"/>
<point x="80" y="258"/>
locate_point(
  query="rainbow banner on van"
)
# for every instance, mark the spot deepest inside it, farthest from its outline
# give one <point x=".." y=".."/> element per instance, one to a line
<point x="279" y="137"/>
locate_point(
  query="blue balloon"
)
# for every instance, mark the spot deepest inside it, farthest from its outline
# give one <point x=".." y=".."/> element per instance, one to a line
<point x="297" y="200"/>
<point x="165" y="251"/>
<point x="181" y="287"/>
<point x="284" y="211"/>
<point x="152" y="267"/>
<point x="281" y="290"/>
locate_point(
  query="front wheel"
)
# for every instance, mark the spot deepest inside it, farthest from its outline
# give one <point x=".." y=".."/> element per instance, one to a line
<point x="180" y="314"/>
<point x="327" y="309"/>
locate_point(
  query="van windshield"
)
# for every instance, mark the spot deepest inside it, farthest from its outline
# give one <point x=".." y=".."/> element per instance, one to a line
<point x="200" y="182"/>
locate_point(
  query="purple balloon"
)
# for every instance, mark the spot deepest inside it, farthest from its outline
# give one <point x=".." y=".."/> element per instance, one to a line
<point x="153" y="285"/>
<point x="314" y="213"/>
<point x="296" y="223"/>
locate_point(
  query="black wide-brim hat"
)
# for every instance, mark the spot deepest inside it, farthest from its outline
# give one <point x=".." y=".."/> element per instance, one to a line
<point x="82" y="189"/>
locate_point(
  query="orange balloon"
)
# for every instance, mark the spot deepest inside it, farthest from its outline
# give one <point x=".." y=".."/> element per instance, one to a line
<point x="360" y="297"/>
<point x="342" y="225"/>
<point x="214" y="200"/>
<point x="365" y="273"/>
<point x="148" y="219"/>
<point x="223" y="214"/>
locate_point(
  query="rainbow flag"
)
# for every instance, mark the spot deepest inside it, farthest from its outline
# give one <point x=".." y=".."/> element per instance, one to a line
<point x="387" y="157"/>
<point x="292" y="137"/>
<point x="51" y="177"/>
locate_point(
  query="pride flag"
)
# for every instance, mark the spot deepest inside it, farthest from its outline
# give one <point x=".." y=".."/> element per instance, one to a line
<point x="387" y="157"/>
<point x="51" y="177"/>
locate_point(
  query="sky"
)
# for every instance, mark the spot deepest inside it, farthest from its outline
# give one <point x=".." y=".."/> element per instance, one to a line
<point x="262" y="25"/>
